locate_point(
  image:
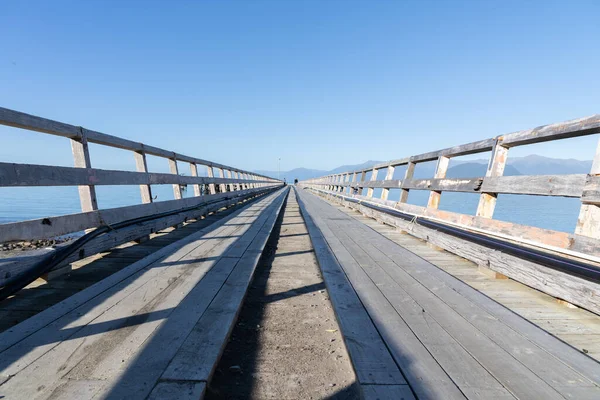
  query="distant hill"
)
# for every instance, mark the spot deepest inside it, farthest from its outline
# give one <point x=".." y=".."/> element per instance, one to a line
<point x="529" y="165"/>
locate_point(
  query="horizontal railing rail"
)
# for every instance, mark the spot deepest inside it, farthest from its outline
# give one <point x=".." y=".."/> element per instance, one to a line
<point x="584" y="240"/>
<point x="220" y="178"/>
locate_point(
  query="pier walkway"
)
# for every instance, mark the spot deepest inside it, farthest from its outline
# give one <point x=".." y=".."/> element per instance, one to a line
<point x="353" y="291"/>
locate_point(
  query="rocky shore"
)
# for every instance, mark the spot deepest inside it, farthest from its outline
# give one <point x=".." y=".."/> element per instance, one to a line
<point x="34" y="244"/>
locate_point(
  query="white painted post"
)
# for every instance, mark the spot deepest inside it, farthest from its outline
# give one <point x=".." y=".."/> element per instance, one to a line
<point x="390" y="174"/>
<point x="588" y="223"/>
<point x="81" y="158"/>
<point x="440" y="172"/>
<point x="487" y="201"/>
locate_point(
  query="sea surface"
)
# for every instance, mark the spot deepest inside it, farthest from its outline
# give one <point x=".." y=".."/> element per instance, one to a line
<point x="18" y="204"/>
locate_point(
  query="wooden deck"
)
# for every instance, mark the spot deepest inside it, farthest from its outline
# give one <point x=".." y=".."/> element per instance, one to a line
<point x="408" y="323"/>
<point x="154" y="329"/>
<point x="44" y="293"/>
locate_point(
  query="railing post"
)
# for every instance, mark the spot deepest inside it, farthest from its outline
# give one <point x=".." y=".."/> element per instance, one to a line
<point x="174" y="170"/>
<point x="363" y="175"/>
<point x="142" y="166"/>
<point x="222" y="188"/>
<point x="236" y="175"/>
<point x="588" y="223"/>
<point x="230" y="184"/>
<point x="194" y="169"/>
<point x="211" y="174"/>
<point x="408" y="175"/>
<point x="373" y="178"/>
<point x="351" y="190"/>
<point x="388" y="176"/>
<point x="487" y="201"/>
<point x="440" y="172"/>
<point x="81" y="158"/>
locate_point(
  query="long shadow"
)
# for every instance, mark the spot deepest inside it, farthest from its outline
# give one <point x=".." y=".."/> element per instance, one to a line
<point x="245" y="332"/>
<point x="146" y="367"/>
<point x="59" y="334"/>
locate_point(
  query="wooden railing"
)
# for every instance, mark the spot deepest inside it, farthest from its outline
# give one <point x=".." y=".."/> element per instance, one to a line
<point x="583" y="242"/>
<point x="231" y="183"/>
<point x="87" y="178"/>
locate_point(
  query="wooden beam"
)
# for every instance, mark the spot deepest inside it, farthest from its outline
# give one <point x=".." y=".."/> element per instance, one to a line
<point x="194" y="171"/>
<point x="142" y="166"/>
<point x="440" y="172"/>
<point x="30" y="122"/>
<point x="211" y="186"/>
<point x="496" y="164"/>
<point x="408" y="175"/>
<point x="588" y="223"/>
<point x="562" y="130"/>
<point x="81" y="157"/>
<point x="221" y="175"/>
<point x="174" y="170"/>
<point x="388" y="176"/>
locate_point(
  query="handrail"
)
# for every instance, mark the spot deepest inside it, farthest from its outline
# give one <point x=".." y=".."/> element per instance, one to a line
<point x="583" y="186"/>
<point x="220" y="178"/>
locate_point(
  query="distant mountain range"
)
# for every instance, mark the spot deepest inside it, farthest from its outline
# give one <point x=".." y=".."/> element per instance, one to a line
<point x="529" y="165"/>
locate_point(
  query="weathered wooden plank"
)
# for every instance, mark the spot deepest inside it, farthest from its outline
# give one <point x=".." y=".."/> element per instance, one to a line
<point x="373" y="178"/>
<point x="470" y="185"/>
<point x="168" y="254"/>
<point x="103" y="364"/>
<point x="30" y="122"/>
<point x="502" y="325"/>
<point x="197" y="357"/>
<point x="59" y="225"/>
<point x="26" y="121"/>
<point x="142" y="166"/>
<point x="562" y="130"/>
<point x="81" y="158"/>
<point x="384" y="392"/>
<point x="462" y="150"/>
<point x="588" y="222"/>
<point x="371" y="360"/>
<point x="496" y="165"/>
<point x="440" y="172"/>
<point x="175" y="171"/>
<point x="408" y="175"/>
<point x="539" y="185"/>
<point x="431" y="359"/>
<point x="500" y="350"/>
<point x="194" y="172"/>
<point x="388" y="177"/>
<point x="575" y="290"/>
<point x="9" y="271"/>
<point x="47" y="175"/>
<point x="178" y="390"/>
<point x="390" y="184"/>
<point x="578" y="245"/>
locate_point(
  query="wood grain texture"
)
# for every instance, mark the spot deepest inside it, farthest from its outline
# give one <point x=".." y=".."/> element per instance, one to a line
<point x="372" y="362"/>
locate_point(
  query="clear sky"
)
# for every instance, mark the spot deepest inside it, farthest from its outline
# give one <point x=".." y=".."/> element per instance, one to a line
<point x="317" y="83"/>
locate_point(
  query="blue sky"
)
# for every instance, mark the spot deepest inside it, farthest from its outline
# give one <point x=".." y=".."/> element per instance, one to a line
<point x="317" y="83"/>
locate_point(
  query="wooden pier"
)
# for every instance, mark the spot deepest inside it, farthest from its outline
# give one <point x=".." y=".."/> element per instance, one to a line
<point x="430" y="304"/>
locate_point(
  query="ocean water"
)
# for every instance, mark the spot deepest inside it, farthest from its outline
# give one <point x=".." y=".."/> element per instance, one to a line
<point x="18" y="204"/>
<point x="23" y="203"/>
